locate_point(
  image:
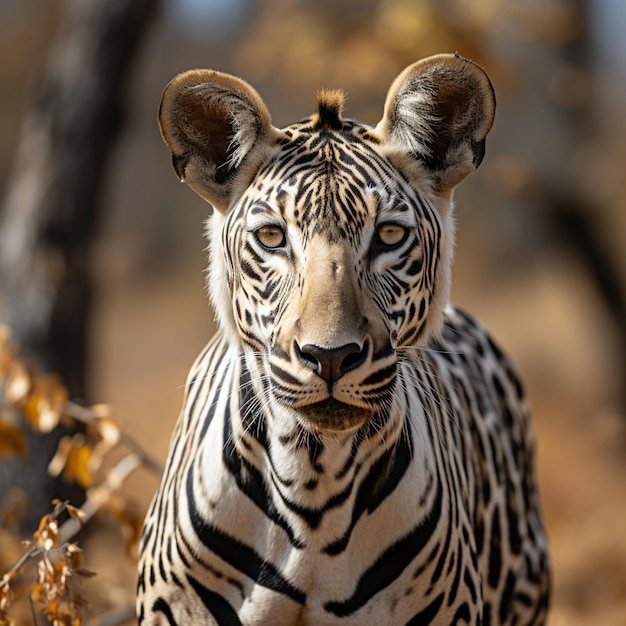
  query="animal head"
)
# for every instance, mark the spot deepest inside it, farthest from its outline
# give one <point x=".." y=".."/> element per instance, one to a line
<point x="331" y="240"/>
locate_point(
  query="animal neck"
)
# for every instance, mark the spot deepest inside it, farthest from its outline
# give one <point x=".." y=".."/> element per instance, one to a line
<point x="321" y="484"/>
<point x="315" y="467"/>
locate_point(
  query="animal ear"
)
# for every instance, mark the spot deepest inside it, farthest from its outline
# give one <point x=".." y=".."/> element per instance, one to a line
<point x="439" y="110"/>
<point x="217" y="127"/>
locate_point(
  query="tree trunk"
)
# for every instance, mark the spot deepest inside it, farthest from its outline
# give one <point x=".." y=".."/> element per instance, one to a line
<point x="573" y="215"/>
<point x="51" y="211"/>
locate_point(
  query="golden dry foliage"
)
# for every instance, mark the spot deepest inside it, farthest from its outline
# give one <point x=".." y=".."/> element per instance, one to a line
<point x="58" y="569"/>
<point x="29" y="399"/>
<point x="40" y="401"/>
<point x="37" y="399"/>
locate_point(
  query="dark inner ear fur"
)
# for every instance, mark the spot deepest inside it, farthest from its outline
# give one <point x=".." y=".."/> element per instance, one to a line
<point x="440" y="110"/>
<point x="216" y="127"/>
<point x="458" y="113"/>
<point x="207" y="130"/>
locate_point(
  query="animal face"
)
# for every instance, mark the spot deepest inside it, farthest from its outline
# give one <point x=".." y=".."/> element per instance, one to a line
<point x="332" y="240"/>
<point x="333" y="266"/>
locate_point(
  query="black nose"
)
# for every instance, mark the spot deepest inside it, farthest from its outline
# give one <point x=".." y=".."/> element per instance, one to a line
<point x="332" y="363"/>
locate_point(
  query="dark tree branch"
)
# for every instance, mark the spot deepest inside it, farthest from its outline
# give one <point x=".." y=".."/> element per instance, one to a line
<point x="51" y="212"/>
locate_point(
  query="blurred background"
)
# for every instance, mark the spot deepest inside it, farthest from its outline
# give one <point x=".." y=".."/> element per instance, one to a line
<point x="102" y="252"/>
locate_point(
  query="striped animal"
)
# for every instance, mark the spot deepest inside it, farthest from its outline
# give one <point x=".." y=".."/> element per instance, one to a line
<point x="351" y="449"/>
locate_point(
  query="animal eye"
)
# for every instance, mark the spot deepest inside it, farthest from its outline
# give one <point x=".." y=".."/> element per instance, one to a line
<point x="391" y="235"/>
<point x="270" y="236"/>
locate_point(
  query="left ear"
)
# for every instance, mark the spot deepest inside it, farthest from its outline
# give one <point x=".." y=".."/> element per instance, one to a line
<point x="439" y="110"/>
<point x="217" y="129"/>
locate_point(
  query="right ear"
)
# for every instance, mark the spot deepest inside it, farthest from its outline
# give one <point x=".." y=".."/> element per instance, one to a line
<point x="217" y="128"/>
<point x="439" y="111"/>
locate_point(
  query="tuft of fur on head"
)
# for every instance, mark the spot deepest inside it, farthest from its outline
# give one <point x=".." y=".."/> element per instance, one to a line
<point x="329" y="108"/>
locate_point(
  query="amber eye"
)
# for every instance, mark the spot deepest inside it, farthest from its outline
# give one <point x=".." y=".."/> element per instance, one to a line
<point x="270" y="236"/>
<point x="391" y="234"/>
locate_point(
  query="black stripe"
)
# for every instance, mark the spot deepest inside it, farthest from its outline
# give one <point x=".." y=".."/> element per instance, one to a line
<point x="209" y="568"/>
<point x="444" y="552"/>
<point x="250" y="481"/>
<point x="381" y="480"/>
<point x="457" y="576"/>
<point x="267" y="293"/>
<point x="425" y="617"/>
<point x="391" y="563"/>
<point x="207" y="417"/>
<point x="213" y="354"/>
<point x="313" y="517"/>
<point x="464" y="615"/>
<point x="161" y="606"/>
<point x="279" y="372"/>
<point x="469" y="583"/>
<point x="506" y="598"/>
<point x="383" y="374"/>
<point x="217" y="606"/>
<point x="495" y="547"/>
<point x="237" y="554"/>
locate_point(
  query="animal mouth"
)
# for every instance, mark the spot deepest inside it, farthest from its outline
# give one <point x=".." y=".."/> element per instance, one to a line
<point x="333" y="415"/>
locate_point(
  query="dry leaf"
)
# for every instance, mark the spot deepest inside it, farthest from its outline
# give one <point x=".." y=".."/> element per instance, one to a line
<point x="77" y="465"/>
<point x="75" y="513"/>
<point x="47" y="535"/>
<point x="72" y="459"/>
<point x="54" y="590"/>
<point x="46" y="402"/>
<point x="57" y="463"/>
<point x="108" y="430"/>
<point x="18" y="383"/>
<point x="6" y="597"/>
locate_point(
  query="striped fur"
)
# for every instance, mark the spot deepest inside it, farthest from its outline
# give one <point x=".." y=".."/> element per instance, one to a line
<point x="351" y="449"/>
